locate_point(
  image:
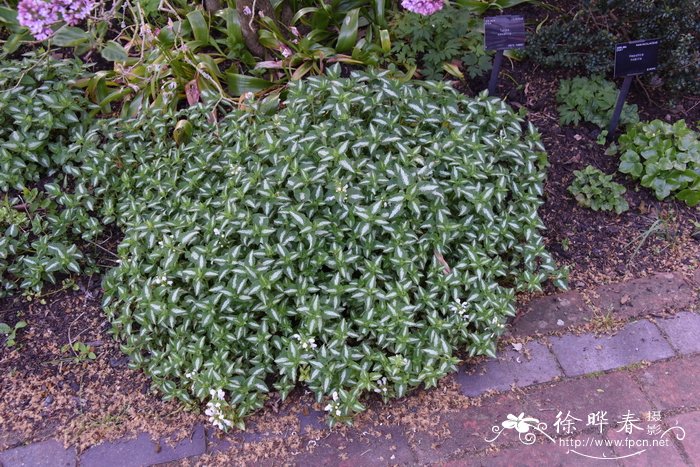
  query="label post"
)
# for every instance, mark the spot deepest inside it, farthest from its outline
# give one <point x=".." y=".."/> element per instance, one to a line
<point x="502" y="33"/>
<point x="631" y="59"/>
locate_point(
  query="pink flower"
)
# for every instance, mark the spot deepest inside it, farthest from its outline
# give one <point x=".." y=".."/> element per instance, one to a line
<point x="39" y="15"/>
<point x="286" y="51"/>
<point x="423" y="7"/>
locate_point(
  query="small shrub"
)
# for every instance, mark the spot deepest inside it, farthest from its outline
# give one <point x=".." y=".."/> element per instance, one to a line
<point x="430" y="42"/>
<point x="572" y="44"/>
<point x="665" y="157"/>
<point x="596" y="190"/>
<point x="356" y="241"/>
<point x="591" y="100"/>
<point x="585" y="41"/>
<point x="676" y="23"/>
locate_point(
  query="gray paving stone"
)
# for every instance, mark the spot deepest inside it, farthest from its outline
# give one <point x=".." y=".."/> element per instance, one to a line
<point x="647" y="295"/>
<point x="143" y="452"/>
<point x="637" y="341"/>
<point x="512" y="367"/>
<point x="551" y="314"/>
<point x="683" y="331"/>
<point x="47" y="453"/>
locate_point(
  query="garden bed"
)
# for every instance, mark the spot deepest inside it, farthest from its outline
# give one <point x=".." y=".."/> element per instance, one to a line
<point x="47" y="393"/>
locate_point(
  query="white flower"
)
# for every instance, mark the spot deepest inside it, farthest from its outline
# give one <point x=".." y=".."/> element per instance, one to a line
<point x="381" y="386"/>
<point x="461" y="308"/>
<point x="334" y="407"/>
<point x="214" y="412"/>
<point x="247" y="11"/>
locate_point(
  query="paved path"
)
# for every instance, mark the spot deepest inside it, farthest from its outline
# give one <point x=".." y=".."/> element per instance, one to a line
<point x="559" y="394"/>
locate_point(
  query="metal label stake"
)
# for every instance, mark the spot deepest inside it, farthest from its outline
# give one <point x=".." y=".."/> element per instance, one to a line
<point x="618" y="106"/>
<point x="493" y="82"/>
<point x="502" y="33"/>
<point x="631" y="59"/>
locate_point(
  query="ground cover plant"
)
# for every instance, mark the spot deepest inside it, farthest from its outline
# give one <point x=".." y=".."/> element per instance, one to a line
<point x="47" y="220"/>
<point x="594" y="189"/>
<point x="357" y="241"/>
<point x="591" y="100"/>
<point x="664" y="157"/>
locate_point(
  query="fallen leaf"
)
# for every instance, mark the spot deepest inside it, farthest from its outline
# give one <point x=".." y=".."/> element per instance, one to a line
<point x="517" y="346"/>
<point x="192" y="92"/>
<point x="625" y="299"/>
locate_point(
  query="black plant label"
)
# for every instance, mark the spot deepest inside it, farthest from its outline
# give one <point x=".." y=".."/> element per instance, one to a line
<point x="504" y="32"/>
<point x="637" y="57"/>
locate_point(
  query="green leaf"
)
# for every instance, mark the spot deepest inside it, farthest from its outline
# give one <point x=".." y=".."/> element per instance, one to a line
<point x="691" y="197"/>
<point x="347" y="37"/>
<point x="182" y="132"/>
<point x="68" y="36"/>
<point x="199" y="25"/>
<point x="114" y="52"/>
<point x="241" y="84"/>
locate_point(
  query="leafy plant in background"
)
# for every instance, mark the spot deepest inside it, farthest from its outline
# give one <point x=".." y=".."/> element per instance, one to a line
<point x="45" y="213"/>
<point x="14" y="34"/>
<point x="592" y="100"/>
<point x="482" y="6"/>
<point x="11" y="332"/>
<point x="354" y="241"/>
<point x="199" y="53"/>
<point x="310" y="42"/>
<point x="595" y="190"/>
<point x="676" y="23"/>
<point x="572" y="44"/>
<point x="585" y="40"/>
<point x="664" y="157"/>
<point x="452" y="37"/>
<point x="175" y="65"/>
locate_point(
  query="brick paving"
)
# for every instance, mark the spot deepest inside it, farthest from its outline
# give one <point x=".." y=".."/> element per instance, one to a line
<point x="637" y="341"/>
<point x="647" y="370"/>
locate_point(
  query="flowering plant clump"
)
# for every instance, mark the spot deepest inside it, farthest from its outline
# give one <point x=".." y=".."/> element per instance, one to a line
<point x="423" y="7"/>
<point x="375" y="230"/>
<point x="40" y="15"/>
